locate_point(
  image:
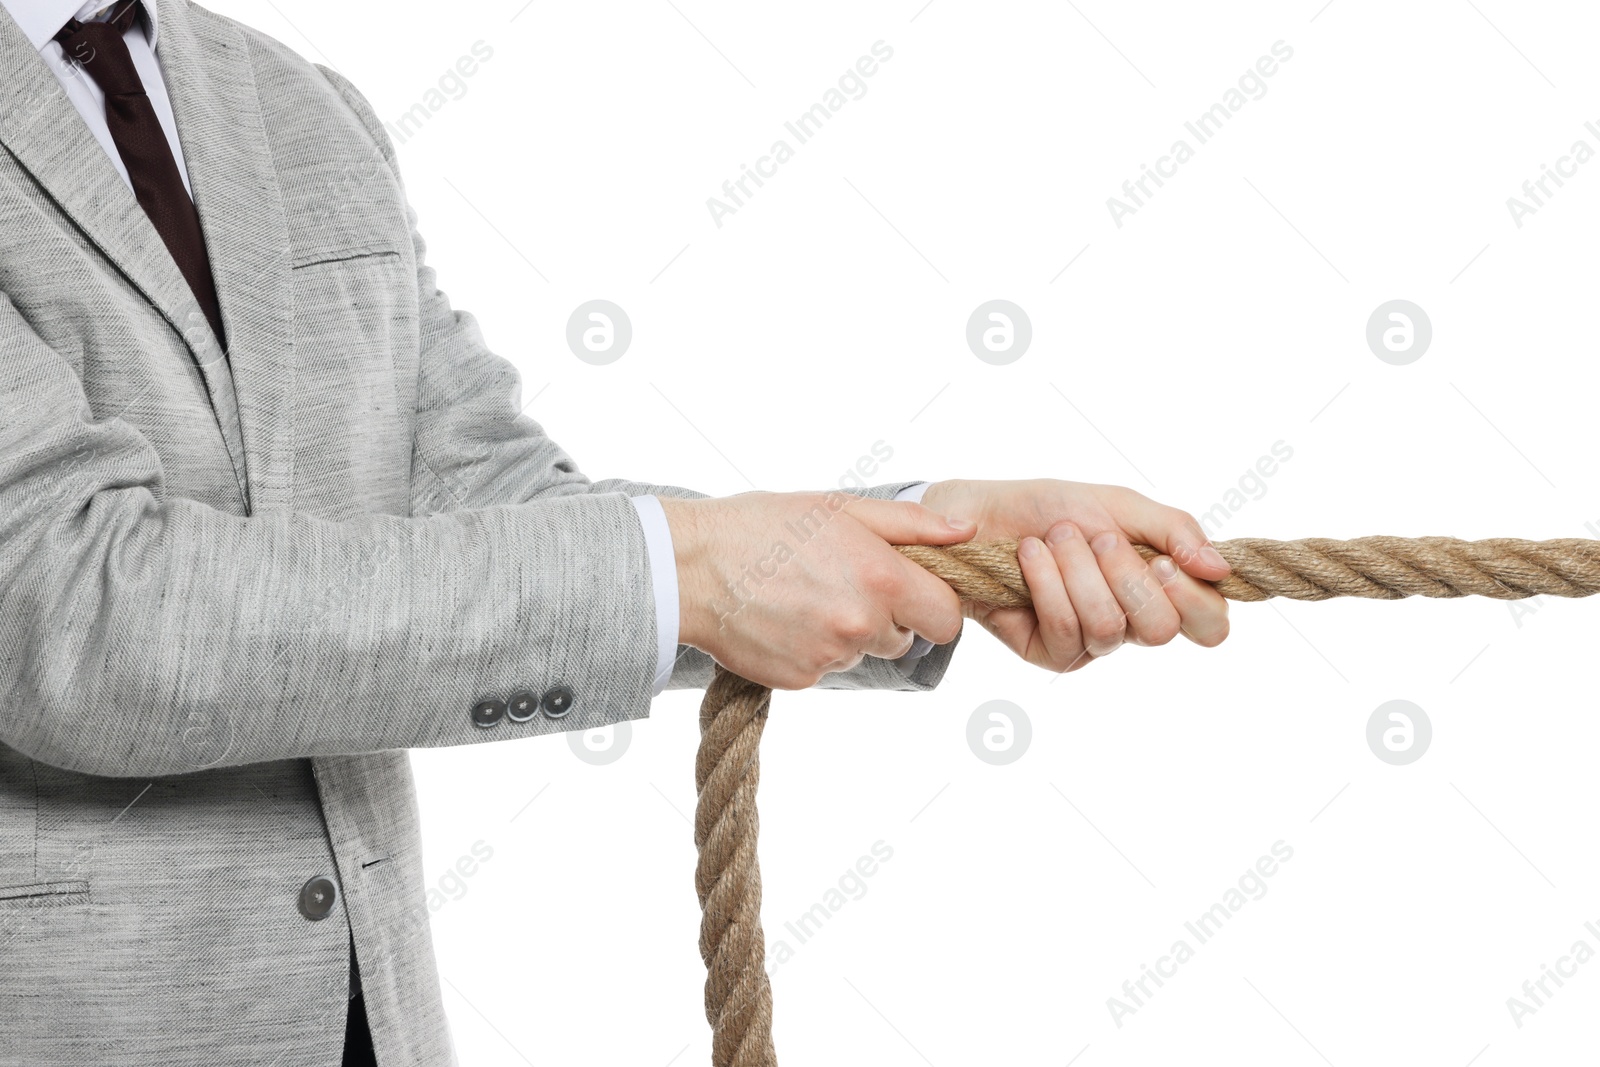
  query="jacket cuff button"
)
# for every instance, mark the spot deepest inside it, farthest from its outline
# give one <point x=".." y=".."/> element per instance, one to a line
<point x="557" y="701"/>
<point x="522" y="707"/>
<point x="488" y="713"/>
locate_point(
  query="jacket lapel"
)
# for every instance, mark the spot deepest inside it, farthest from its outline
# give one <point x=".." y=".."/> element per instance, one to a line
<point x="39" y="125"/>
<point x="41" y="128"/>
<point x="206" y="61"/>
<point x="211" y="80"/>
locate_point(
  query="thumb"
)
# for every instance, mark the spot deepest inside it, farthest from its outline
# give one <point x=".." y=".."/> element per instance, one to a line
<point x="901" y="522"/>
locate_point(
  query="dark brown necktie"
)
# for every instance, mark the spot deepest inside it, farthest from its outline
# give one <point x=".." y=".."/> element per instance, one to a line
<point x="99" y="49"/>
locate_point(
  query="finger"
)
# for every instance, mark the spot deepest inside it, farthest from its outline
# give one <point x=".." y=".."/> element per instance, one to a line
<point x="865" y="629"/>
<point x="1152" y="620"/>
<point x="1100" y="617"/>
<point x="921" y="602"/>
<point x="1059" y="644"/>
<point x="890" y="642"/>
<point x="900" y="600"/>
<point x="1203" y="612"/>
<point x="1168" y="530"/>
<point x="900" y="522"/>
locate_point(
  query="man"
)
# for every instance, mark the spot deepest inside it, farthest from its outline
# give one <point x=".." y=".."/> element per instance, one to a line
<point x="270" y="516"/>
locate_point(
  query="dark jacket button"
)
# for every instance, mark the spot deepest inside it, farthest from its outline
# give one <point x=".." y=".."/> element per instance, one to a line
<point x="557" y="701"/>
<point x="523" y="706"/>
<point x="488" y="713"/>
<point x="316" y="898"/>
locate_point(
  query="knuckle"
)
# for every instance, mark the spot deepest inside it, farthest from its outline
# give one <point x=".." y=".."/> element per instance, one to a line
<point x="880" y="578"/>
<point x="851" y="630"/>
<point x="1107" y="628"/>
<point x="1063" y="626"/>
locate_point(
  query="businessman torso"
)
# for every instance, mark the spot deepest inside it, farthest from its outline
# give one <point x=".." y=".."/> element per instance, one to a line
<point x="160" y="919"/>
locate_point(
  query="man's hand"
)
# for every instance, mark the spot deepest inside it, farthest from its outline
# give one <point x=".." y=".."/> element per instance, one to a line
<point x="1091" y="590"/>
<point x="782" y="588"/>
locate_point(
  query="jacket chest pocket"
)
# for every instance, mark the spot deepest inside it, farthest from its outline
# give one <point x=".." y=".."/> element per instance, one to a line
<point x="355" y="380"/>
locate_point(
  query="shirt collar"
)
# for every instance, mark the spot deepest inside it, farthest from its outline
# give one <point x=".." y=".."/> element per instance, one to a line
<point x="40" y="19"/>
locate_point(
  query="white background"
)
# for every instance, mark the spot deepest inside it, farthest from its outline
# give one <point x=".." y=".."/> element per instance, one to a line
<point x="1227" y="314"/>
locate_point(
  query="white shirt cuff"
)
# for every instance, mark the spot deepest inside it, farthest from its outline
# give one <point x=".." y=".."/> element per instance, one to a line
<point x="663" y="583"/>
<point x="913" y="493"/>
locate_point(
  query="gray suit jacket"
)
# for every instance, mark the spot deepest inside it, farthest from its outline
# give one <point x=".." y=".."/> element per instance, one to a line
<point x="235" y="589"/>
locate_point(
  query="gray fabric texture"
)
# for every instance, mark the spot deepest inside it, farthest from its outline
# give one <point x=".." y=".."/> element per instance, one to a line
<point x="236" y="588"/>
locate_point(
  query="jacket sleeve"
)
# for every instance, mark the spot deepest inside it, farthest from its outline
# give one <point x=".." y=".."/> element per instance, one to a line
<point x="144" y="634"/>
<point x="475" y="446"/>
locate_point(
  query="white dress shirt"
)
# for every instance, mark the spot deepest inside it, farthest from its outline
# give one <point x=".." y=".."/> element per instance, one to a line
<point x="41" y="19"/>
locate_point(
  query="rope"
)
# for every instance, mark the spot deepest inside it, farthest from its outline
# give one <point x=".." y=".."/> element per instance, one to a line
<point x="1317" y="568"/>
<point x="734" y="712"/>
<point x="728" y="876"/>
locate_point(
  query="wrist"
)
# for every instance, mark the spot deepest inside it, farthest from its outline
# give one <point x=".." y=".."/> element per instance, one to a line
<point x="949" y="498"/>
<point x="686" y="520"/>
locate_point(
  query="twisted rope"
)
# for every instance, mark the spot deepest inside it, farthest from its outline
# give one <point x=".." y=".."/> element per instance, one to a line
<point x="734" y="712"/>
<point x="728" y="876"/>
<point x="1318" y="568"/>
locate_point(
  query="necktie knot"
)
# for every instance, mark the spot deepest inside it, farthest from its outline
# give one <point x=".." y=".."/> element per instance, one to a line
<point x="99" y="49"/>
